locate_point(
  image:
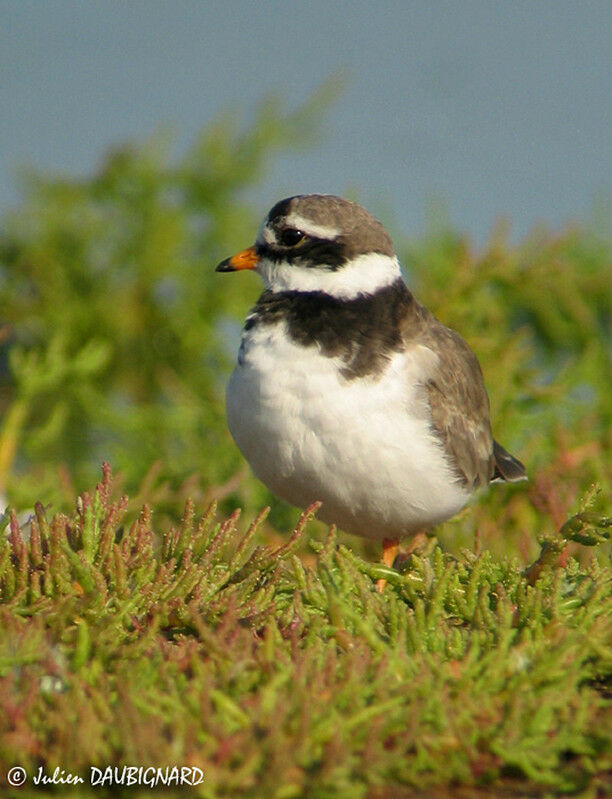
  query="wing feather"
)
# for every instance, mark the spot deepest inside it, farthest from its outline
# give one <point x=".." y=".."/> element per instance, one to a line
<point x="457" y="397"/>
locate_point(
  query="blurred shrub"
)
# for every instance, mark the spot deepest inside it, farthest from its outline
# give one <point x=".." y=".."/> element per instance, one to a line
<point x="115" y="330"/>
<point x="116" y="336"/>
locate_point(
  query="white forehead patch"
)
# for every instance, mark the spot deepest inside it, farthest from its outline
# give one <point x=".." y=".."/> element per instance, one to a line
<point x="264" y="234"/>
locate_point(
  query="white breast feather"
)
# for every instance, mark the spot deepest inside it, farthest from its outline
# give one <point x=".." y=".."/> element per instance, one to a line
<point x="364" y="447"/>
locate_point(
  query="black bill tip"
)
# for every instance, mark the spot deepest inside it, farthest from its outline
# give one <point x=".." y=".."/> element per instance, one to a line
<point x="225" y="266"/>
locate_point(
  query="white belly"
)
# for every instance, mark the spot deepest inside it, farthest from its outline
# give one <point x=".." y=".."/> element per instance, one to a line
<point x="364" y="447"/>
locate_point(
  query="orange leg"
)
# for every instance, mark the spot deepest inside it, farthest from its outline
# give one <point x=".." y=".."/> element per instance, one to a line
<point x="390" y="547"/>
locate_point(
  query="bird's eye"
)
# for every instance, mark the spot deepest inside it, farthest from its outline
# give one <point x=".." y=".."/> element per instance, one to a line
<point x="290" y="237"/>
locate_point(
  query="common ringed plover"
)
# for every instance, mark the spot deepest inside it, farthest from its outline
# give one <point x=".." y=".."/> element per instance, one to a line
<point x="347" y="390"/>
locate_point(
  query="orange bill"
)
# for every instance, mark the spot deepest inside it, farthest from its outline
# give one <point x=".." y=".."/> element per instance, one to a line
<point x="247" y="259"/>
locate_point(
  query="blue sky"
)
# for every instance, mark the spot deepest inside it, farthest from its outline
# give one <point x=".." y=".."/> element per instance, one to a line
<point x="498" y="107"/>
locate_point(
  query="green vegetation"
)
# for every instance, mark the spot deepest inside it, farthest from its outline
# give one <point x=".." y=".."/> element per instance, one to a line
<point x="282" y="679"/>
<point x="179" y="635"/>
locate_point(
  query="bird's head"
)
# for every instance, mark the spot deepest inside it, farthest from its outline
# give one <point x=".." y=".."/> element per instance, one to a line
<point x="319" y="242"/>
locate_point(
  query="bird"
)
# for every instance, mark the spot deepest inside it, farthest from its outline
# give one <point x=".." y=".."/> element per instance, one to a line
<point x="347" y="390"/>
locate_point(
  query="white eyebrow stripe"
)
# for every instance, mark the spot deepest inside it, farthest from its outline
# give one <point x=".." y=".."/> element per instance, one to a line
<point x="298" y="222"/>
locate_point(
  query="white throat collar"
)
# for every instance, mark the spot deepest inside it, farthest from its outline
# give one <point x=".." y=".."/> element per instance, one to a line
<point x="364" y="274"/>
